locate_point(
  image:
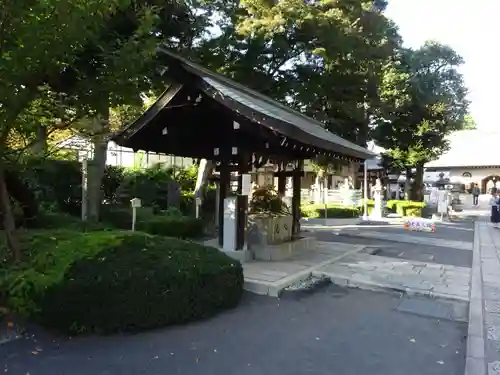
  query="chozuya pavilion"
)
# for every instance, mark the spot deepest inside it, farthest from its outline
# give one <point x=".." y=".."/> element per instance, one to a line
<point x="203" y="114"/>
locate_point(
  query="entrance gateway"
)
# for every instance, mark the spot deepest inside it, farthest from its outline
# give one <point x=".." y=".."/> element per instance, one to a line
<point x="205" y="115"/>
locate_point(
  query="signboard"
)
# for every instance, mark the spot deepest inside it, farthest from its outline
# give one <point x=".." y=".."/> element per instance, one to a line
<point x="246" y="184"/>
<point x="135" y="202"/>
<point x="419" y="225"/>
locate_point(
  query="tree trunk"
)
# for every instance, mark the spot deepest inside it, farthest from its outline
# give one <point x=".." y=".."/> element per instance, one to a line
<point x="417" y="188"/>
<point x="9" y="224"/>
<point x="97" y="167"/>
<point x="204" y="170"/>
<point x="39" y="147"/>
<point x="408" y="184"/>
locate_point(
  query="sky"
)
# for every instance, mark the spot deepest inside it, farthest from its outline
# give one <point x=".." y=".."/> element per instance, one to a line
<point x="472" y="28"/>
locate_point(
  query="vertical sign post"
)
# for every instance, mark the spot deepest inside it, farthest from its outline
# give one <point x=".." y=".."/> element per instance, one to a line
<point x="135" y="203"/>
<point x="365" y="190"/>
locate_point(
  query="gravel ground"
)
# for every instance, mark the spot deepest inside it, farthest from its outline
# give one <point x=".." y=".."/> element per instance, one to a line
<point x="332" y="331"/>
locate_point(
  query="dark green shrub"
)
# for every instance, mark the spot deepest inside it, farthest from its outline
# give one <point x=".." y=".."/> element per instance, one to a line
<point x="169" y="223"/>
<point x="60" y="220"/>
<point x="333" y="211"/>
<point x="151" y="185"/>
<point x="267" y="200"/>
<point x="118" y="281"/>
<point x="120" y="217"/>
<point x="172" y="226"/>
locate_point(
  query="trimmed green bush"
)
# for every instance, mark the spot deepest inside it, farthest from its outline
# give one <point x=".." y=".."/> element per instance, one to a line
<point x="401" y="207"/>
<point x="333" y="211"/>
<point x="164" y="223"/>
<point x="406" y="208"/>
<point x="118" y="281"/>
<point x="171" y="226"/>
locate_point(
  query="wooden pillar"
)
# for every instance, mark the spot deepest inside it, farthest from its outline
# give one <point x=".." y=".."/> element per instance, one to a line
<point x="296" y="179"/>
<point x="281" y="184"/>
<point x="224" y="183"/>
<point x="241" y="204"/>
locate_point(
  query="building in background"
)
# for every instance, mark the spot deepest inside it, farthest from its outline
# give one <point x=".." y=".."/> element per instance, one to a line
<point x="122" y="156"/>
<point x="473" y="158"/>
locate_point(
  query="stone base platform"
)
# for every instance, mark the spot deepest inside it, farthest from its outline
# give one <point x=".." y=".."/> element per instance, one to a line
<point x="283" y="250"/>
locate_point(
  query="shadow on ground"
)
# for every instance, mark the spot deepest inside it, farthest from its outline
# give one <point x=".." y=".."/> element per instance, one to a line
<point x="333" y="331"/>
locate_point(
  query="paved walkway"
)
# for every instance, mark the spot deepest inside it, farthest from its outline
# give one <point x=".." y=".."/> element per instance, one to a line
<point x="483" y="343"/>
<point x="423" y="239"/>
<point x="346" y="264"/>
<point x="412" y="277"/>
<point x="269" y="278"/>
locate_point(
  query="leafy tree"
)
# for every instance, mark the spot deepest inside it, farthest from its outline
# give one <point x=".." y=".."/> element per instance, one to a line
<point x="424" y="101"/>
<point x="38" y="40"/>
<point x="324" y="58"/>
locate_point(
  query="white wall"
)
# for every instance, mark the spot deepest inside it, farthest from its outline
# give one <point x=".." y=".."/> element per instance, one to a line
<point x="456" y="174"/>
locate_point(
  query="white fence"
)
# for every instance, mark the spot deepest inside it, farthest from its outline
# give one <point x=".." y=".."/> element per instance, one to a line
<point x="343" y="197"/>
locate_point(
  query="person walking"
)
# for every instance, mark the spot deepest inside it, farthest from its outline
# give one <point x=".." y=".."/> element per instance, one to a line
<point x="475" y="195"/>
<point x="495" y="206"/>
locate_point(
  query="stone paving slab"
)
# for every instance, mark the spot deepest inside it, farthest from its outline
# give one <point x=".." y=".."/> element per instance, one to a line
<point x="408" y="238"/>
<point x="378" y="273"/>
<point x="270" y="278"/>
<point x="483" y="346"/>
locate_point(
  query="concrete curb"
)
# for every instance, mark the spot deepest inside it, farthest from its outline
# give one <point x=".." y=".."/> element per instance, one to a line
<point x="475" y="357"/>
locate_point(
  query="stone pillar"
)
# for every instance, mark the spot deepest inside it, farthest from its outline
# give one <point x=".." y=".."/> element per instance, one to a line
<point x="377" y="197"/>
<point x="224" y="185"/>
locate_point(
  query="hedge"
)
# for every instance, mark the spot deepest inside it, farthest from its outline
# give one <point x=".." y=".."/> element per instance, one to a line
<point x="162" y="223"/>
<point x="333" y="211"/>
<point x="401" y="207"/>
<point x="118" y="281"/>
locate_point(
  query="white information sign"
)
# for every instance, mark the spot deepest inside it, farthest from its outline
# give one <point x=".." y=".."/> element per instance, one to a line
<point x="246" y="184"/>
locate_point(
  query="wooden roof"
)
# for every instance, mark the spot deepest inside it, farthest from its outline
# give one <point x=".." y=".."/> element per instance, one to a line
<point x="295" y="129"/>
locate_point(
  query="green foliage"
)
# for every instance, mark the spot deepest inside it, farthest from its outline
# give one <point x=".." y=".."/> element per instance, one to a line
<point x="403" y="208"/>
<point x="406" y="208"/>
<point x="296" y="51"/>
<point x="172" y="226"/>
<point x="170" y="223"/>
<point x="424" y="100"/>
<point x="118" y="281"/>
<point x="315" y="211"/>
<point x="265" y="200"/>
<point x="151" y="186"/>
<point x="57" y="185"/>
